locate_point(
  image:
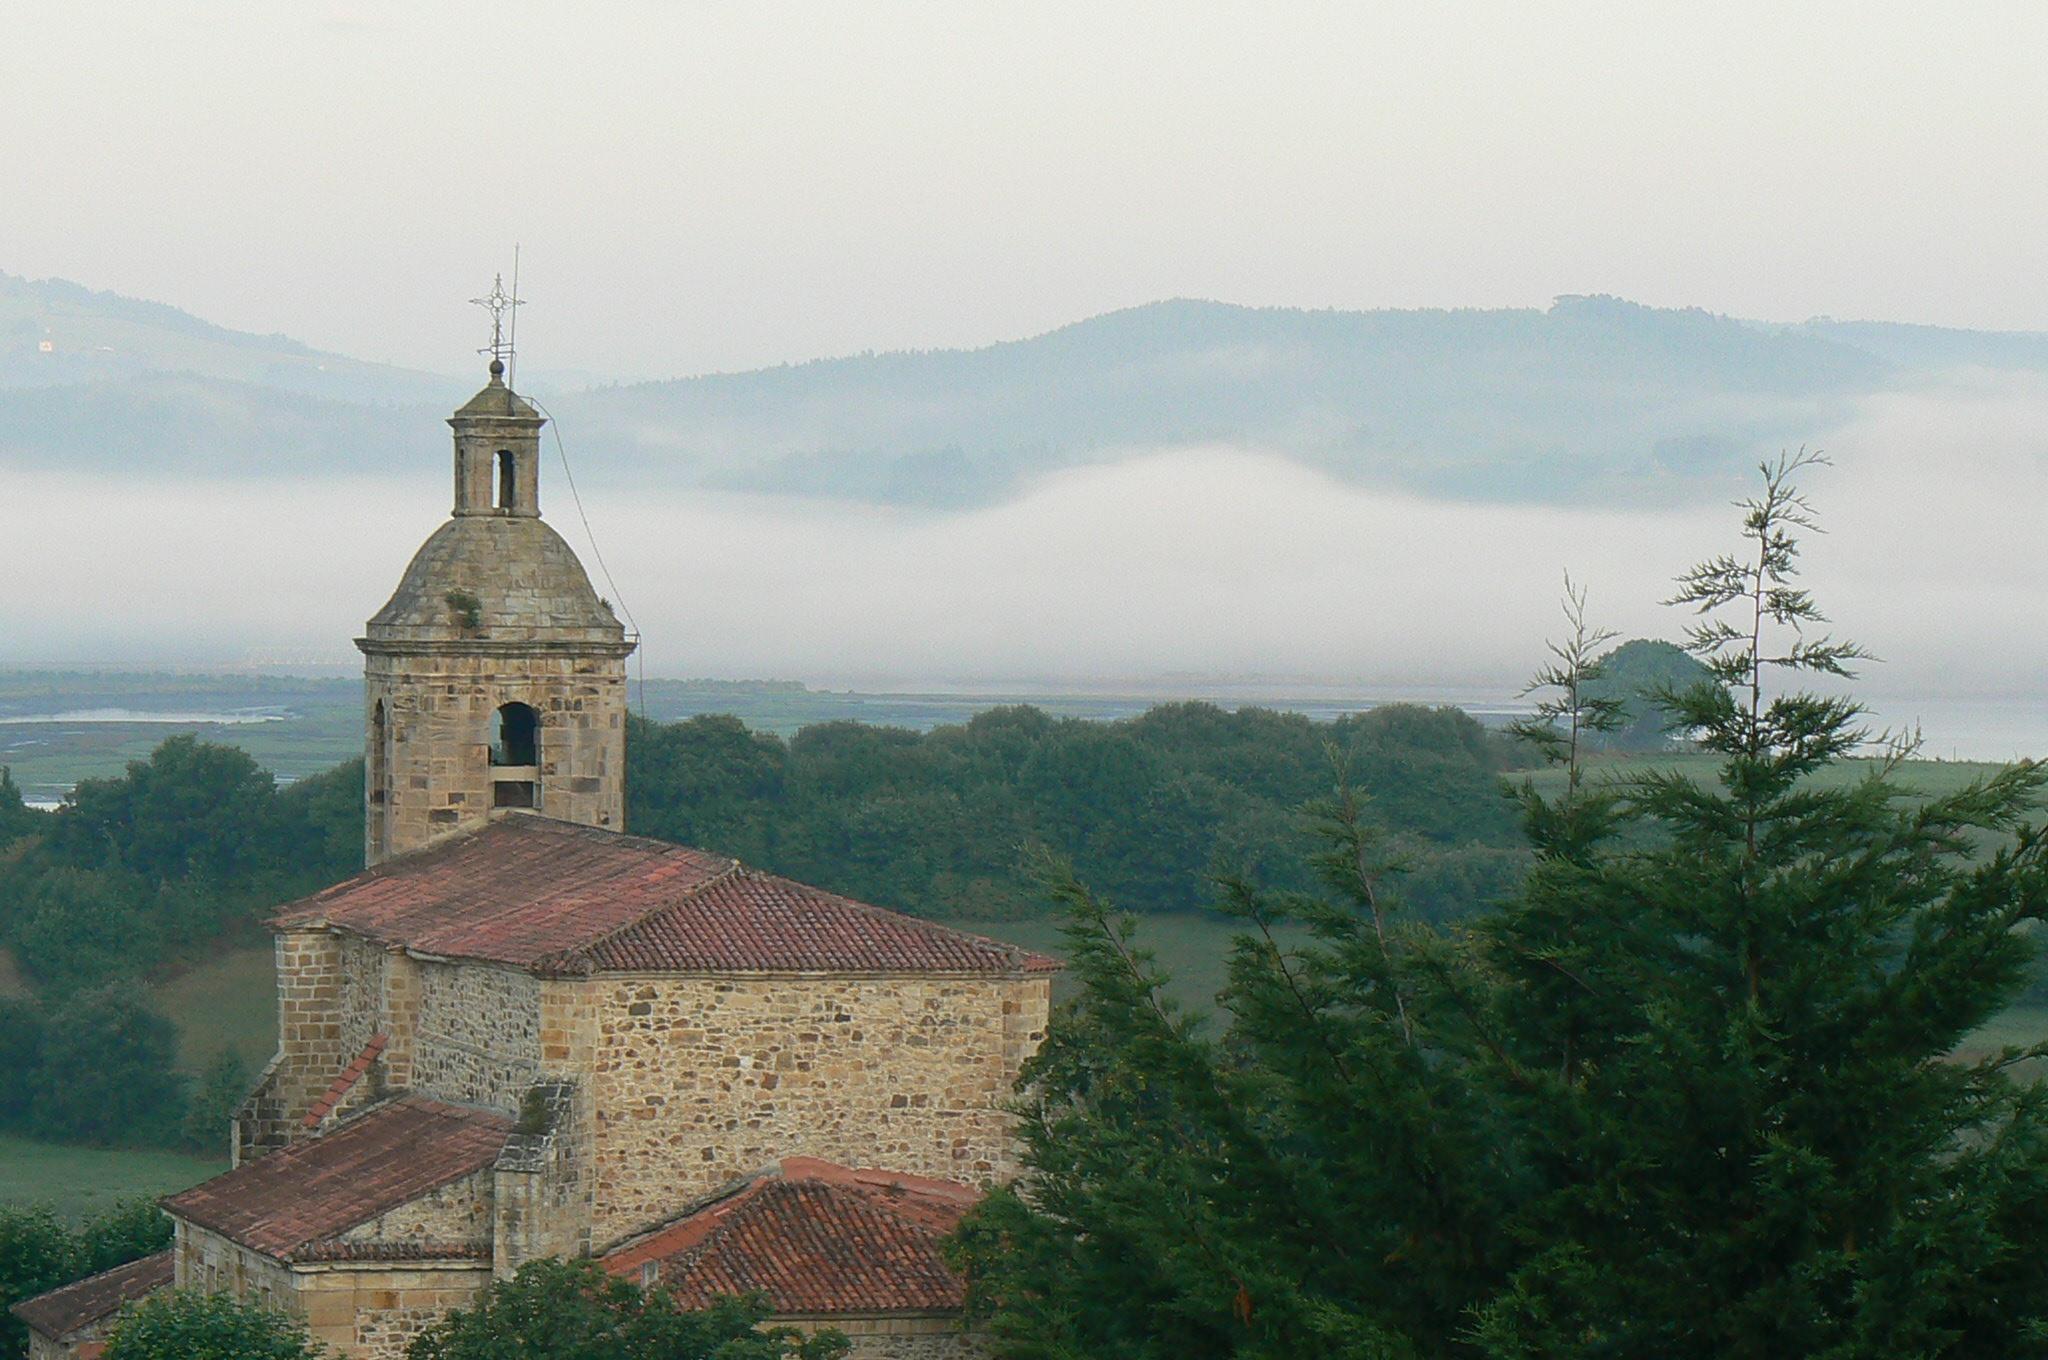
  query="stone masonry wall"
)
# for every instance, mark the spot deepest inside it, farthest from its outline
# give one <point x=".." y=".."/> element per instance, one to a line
<point x="700" y="1080"/>
<point x="373" y="1312"/>
<point x="457" y="1212"/>
<point x="207" y="1261"/>
<point x="363" y="1311"/>
<point x="477" y="1034"/>
<point x="331" y="997"/>
<point x="309" y="1043"/>
<point x="440" y="715"/>
<point x="360" y="1009"/>
<point x="910" y="1338"/>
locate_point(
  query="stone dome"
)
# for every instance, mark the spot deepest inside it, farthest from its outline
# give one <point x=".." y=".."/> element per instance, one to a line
<point x="525" y="581"/>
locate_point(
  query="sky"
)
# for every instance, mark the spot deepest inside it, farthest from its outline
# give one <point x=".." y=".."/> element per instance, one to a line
<point x="710" y="186"/>
<point x="707" y="186"/>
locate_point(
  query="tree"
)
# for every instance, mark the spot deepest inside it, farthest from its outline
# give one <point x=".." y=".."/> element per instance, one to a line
<point x="219" y="1094"/>
<point x="37" y="1253"/>
<point x="129" y="1231"/>
<point x="21" y="1059"/>
<point x="17" y="818"/>
<point x="573" y="1310"/>
<point x="109" y="1073"/>
<point x="1687" y="1093"/>
<point x="192" y="808"/>
<point x="183" y="1324"/>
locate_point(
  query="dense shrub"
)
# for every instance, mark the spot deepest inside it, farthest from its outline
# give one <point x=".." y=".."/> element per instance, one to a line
<point x="147" y="869"/>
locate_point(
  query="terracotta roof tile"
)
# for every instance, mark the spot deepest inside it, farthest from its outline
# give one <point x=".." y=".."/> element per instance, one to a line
<point x="345" y="1083"/>
<point x="368" y="1165"/>
<point x="564" y="899"/>
<point x="514" y="891"/>
<point x="755" y="921"/>
<point x="818" y="1239"/>
<point x="394" y="1251"/>
<point x="83" y="1302"/>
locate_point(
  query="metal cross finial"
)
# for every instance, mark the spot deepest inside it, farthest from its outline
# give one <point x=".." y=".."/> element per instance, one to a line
<point x="499" y="304"/>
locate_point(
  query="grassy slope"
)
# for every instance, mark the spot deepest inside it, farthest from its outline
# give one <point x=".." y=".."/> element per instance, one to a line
<point x="1929" y="777"/>
<point x="79" y="1182"/>
<point x="230" y="1001"/>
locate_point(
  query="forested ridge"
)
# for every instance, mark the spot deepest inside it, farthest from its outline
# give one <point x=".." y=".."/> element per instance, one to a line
<point x="186" y="853"/>
<point x="1151" y="808"/>
<point x="140" y="873"/>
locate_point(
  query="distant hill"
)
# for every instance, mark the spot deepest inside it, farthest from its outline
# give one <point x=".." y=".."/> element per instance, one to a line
<point x="1592" y="396"/>
<point x="54" y="333"/>
<point x="1495" y="405"/>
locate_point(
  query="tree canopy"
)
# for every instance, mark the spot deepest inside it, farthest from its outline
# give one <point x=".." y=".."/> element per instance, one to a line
<point x="152" y="866"/>
<point x="185" y="1324"/>
<point x="938" y="823"/>
<point x="573" y="1310"/>
<point x="1687" y="1093"/>
<point x="38" y="1253"/>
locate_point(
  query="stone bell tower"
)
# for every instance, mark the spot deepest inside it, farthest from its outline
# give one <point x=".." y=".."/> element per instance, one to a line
<point x="495" y="677"/>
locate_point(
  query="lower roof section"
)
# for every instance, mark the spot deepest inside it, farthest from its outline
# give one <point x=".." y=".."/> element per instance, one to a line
<point x="82" y="1303"/>
<point x="288" y="1204"/>
<point x="820" y="1240"/>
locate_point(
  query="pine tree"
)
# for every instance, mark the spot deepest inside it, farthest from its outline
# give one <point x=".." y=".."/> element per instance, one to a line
<point x="1768" y="1151"/>
<point x="1688" y="1093"/>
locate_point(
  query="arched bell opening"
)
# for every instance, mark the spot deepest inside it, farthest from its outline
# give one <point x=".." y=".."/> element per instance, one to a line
<point x="517" y="740"/>
<point x="508" y="482"/>
<point x="515" y="757"/>
<point x="377" y="776"/>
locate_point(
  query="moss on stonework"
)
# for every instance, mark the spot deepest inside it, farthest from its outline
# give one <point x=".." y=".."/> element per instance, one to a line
<point x="467" y="608"/>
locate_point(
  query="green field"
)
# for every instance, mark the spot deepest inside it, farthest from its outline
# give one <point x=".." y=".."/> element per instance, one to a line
<point x="1931" y="778"/>
<point x="79" y="1182"/>
<point x="230" y="1001"/>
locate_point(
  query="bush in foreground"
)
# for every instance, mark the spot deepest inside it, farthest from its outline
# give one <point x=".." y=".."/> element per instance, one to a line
<point x="573" y="1310"/>
<point x="183" y="1324"/>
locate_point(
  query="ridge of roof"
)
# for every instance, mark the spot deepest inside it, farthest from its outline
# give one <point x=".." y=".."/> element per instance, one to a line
<point x="345" y="1083"/>
<point x="561" y="899"/>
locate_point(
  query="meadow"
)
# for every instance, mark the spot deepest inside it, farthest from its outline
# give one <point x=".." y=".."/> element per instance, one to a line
<point x="79" y="1182"/>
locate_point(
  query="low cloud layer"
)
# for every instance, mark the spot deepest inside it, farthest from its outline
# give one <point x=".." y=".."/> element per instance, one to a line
<point x="1178" y="567"/>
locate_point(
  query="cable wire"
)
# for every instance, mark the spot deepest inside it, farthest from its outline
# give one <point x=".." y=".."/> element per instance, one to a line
<point x="639" y="653"/>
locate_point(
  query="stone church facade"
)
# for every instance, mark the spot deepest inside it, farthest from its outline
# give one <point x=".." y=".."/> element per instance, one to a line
<point x="522" y="1032"/>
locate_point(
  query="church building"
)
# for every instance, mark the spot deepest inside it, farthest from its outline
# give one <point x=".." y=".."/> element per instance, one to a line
<point x="523" y="1032"/>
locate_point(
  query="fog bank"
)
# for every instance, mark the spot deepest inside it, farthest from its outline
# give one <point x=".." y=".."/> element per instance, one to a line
<point x="1178" y="566"/>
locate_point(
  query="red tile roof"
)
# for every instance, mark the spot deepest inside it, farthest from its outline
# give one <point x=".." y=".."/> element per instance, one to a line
<point x="818" y="1239"/>
<point x="760" y="922"/>
<point x="344" y="1083"/>
<point x="516" y="890"/>
<point x="570" y="900"/>
<point x="84" y="1302"/>
<point x="294" y="1199"/>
